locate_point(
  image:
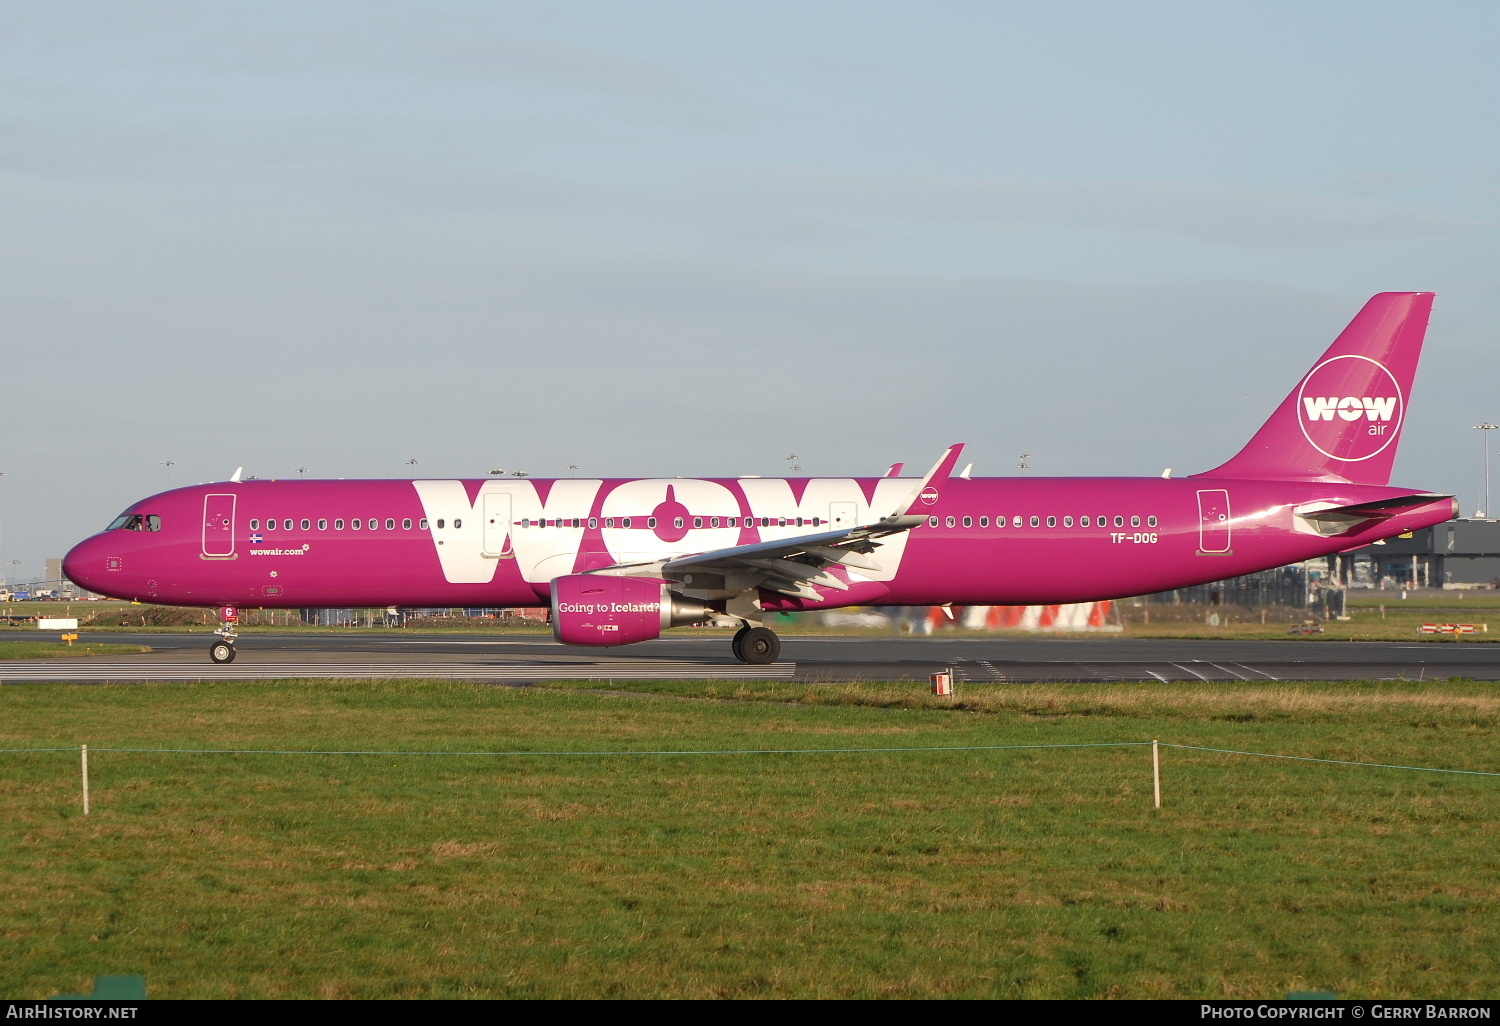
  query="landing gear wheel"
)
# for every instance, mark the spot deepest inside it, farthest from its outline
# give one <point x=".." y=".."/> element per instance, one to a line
<point x="221" y="652"/>
<point x="758" y="645"/>
<point x="734" y="645"/>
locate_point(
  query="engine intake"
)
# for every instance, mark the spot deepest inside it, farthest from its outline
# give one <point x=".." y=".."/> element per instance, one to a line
<point x="604" y="611"/>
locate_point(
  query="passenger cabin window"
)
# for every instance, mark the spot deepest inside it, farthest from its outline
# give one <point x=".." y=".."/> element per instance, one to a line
<point x="984" y="521"/>
<point x="651" y="522"/>
<point x="1067" y="521"/>
<point x="306" y="524"/>
<point x="1051" y="521"/>
<point x="949" y="522"/>
<point x="1036" y="521"/>
<point x="355" y="524"/>
<point x="1135" y="521"/>
<point x="1015" y="521"/>
<point x="625" y="522"/>
<point x="593" y="523"/>
<point x="338" y="525"/>
<point x="440" y="523"/>
<point x="1150" y="521"/>
<point x="322" y="525"/>
<point x="697" y="522"/>
<point x="390" y="523"/>
<point x="287" y="524"/>
<point x="422" y="523"/>
<point x="1119" y="521"/>
<point x="406" y="524"/>
<point x="255" y="525"/>
<point x="968" y="521"/>
<point x="932" y="521"/>
<point x="1083" y="521"/>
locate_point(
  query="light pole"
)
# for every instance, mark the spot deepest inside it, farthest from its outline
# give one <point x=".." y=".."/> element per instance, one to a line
<point x="1487" y="427"/>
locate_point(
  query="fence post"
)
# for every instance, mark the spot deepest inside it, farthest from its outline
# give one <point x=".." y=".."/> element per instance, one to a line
<point x="84" y="751"/>
<point x="1156" y="771"/>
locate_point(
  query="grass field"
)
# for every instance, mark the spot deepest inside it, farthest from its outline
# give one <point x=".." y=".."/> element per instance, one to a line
<point x="1036" y="873"/>
<point x="61" y="650"/>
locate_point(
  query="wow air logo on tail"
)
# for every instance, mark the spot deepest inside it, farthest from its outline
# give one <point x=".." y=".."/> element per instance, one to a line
<point x="1350" y="408"/>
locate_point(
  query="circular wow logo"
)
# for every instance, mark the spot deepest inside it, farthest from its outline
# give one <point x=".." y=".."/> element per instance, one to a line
<point x="1350" y="408"/>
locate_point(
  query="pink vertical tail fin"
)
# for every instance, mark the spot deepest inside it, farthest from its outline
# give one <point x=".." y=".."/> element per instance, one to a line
<point x="1343" y="420"/>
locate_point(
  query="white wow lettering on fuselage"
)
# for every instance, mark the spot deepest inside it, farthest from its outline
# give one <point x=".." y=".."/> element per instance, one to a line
<point x="1349" y="407"/>
<point x="706" y="507"/>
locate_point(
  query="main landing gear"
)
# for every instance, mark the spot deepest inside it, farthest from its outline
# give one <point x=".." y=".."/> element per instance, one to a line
<point x="222" y="650"/>
<point x="757" y="645"/>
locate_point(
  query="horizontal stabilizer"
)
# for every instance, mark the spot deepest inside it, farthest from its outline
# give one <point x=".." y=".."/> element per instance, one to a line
<point x="1328" y="519"/>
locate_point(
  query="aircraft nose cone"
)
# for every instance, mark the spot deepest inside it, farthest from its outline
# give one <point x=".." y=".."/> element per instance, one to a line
<point x="84" y="565"/>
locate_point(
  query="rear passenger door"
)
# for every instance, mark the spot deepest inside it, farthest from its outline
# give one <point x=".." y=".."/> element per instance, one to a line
<point x="1213" y="521"/>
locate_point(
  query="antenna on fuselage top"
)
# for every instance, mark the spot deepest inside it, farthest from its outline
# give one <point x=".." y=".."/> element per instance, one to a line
<point x="235" y="477"/>
<point x="1023" y="465"/>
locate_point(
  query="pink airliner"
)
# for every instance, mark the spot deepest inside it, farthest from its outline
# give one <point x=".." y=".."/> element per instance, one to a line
<point x="621" y="560"/>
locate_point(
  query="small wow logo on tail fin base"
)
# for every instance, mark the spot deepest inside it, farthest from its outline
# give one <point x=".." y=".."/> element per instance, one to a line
<point x="1345" y="389"/>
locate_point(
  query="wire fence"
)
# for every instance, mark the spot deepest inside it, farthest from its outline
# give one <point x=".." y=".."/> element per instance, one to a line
<point x="1155" y="746"/>
<point x="626" y="752"/>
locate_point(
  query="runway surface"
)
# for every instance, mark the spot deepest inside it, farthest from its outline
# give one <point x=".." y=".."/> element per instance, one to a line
<point x="518" y="660"/>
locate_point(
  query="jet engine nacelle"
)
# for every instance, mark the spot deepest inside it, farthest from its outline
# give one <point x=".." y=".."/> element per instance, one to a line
<point x="593" y="609"/>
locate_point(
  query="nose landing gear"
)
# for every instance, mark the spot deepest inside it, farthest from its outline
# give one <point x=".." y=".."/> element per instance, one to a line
<point x="222" y="650"/>
<point x="756" y="645"/>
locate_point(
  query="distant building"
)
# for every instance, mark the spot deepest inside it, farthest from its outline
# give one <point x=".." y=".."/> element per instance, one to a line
<point x="1462" y="553"/>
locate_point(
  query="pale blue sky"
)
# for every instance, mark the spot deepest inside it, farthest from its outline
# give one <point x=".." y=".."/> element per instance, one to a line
<point x="663" y="238"/>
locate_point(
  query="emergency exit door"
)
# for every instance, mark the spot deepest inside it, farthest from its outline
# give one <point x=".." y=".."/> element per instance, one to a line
<point x="496" y="524"/>
<point x="218" y="526"/>
<point x="841" y="515"/>
<point x="1213" y="521"/>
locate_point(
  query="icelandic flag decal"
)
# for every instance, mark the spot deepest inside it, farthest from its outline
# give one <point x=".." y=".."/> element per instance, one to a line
<point x="257" y="538"/>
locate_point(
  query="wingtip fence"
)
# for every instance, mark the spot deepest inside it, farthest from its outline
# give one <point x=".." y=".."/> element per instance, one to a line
<point x="1156" y="747"/>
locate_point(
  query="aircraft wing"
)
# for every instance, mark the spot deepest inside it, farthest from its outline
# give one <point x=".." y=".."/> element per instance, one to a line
<point x="793" y="566"/>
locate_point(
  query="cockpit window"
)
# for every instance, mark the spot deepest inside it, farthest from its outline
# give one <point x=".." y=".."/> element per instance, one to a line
<point x="135" y="522"/>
